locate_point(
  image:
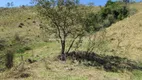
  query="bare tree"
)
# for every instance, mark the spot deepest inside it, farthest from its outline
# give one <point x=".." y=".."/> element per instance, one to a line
<point x="97" y="40"/>
<point x="64" y="17"/>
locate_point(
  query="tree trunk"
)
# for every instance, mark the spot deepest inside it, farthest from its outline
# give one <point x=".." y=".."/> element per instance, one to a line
<point x="63" y="56"/>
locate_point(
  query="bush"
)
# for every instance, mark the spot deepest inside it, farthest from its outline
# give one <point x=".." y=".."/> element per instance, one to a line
<point x="106" y="22"/>
<point x="2" y="44"/>
<point x="26" y="48"/>
<point x="9" y="59"/>
<point x="132" y="11"/>
<point x="23" y="49"/>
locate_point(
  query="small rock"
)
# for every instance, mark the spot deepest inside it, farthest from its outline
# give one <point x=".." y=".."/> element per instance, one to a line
<point x="34" y="21"/>
<point x="31" y="61"/>
<point x="24" y="75"/>
<point x="28" y="18"/>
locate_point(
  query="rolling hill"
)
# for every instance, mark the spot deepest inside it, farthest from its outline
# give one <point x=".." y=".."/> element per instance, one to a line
<point x="122" y="39"/>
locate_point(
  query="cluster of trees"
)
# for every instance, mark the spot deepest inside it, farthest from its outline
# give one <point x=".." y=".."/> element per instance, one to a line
<point x="126" y="1"/>
<point x="109" y="14"/>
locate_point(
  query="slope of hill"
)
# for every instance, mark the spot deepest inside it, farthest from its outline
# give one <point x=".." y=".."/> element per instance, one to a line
<point x="124" y="37"/>
<point x="21" y="21"/>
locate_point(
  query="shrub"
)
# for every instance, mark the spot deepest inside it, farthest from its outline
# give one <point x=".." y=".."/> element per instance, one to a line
<point x="132" y="11"/>
<point x="23" y="49"/>
<point x="9" y="59"/>
<point x="2" y="44"/>
<point x="26" y="48"/>
<point x="106" y="22"/>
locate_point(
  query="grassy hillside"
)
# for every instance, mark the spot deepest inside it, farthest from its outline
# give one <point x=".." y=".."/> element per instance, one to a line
<point x="21" y="21"/>
<point x="49" y="67"/>
<point x="125" y="36"/>
<point x="121" y="39"/>
<point x="124" y="39"/>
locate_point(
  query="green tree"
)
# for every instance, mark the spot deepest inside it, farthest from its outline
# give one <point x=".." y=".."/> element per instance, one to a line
<point x="64" y="17"/>
<point x="10" y="4"/>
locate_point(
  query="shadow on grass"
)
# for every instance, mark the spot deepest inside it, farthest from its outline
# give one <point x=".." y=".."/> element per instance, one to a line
<point x="109" y="63"/>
